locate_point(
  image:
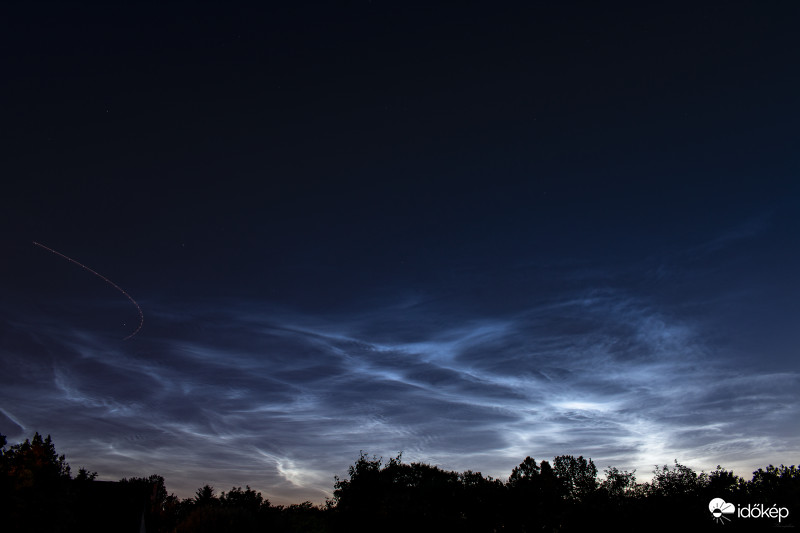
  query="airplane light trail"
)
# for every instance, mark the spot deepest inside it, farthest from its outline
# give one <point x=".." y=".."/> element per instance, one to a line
<point x="120" y="289"/>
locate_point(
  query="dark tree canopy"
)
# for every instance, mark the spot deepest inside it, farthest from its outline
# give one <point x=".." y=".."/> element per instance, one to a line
<point x="39" y="494"/>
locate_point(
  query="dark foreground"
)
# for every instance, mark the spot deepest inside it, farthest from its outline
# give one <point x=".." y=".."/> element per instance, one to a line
<point x="39" y="493"/>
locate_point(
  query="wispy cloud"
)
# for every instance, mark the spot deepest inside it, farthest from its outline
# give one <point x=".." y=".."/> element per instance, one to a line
<point x="284" y="401"/>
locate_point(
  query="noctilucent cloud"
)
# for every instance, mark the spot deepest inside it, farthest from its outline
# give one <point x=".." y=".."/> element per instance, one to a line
<point x="469" y="235"/>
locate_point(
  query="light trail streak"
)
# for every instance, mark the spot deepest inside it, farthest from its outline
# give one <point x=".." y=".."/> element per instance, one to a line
<point x="120" y="289"/>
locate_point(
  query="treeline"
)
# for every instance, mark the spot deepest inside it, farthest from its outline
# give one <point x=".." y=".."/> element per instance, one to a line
<point x="39" y="493"/>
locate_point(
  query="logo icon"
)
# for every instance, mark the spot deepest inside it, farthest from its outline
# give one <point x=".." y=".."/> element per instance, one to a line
<point x="719" y="508"/>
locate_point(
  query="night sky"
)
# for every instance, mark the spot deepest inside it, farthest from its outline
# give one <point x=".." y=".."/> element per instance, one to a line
<point x="470" y="233"/>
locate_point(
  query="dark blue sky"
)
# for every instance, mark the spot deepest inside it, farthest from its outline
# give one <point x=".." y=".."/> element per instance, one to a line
<point x="469" y="233"/>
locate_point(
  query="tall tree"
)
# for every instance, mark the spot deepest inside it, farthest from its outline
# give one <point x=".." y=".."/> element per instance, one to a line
<point x="577" y="476"/>
<point x="36" y="486"/>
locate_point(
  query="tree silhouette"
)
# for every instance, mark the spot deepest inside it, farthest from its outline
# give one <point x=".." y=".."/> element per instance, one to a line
<point x="38" y="494"/>
<point x="400" y="497"/>
<point x="152" y="491"/>
<point x="205" y="496"/>
<point x="577" y="477"/>
<point x="679" y="482"/>
<point x="618" y="483"/>
<point x="482" y="501"/>
<point x="35" y="486"/>
<point x="247" y="499"/>
<point x="724" y="483"/>
<point x="534" y="497"/>
<point x="777" y="485"/>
